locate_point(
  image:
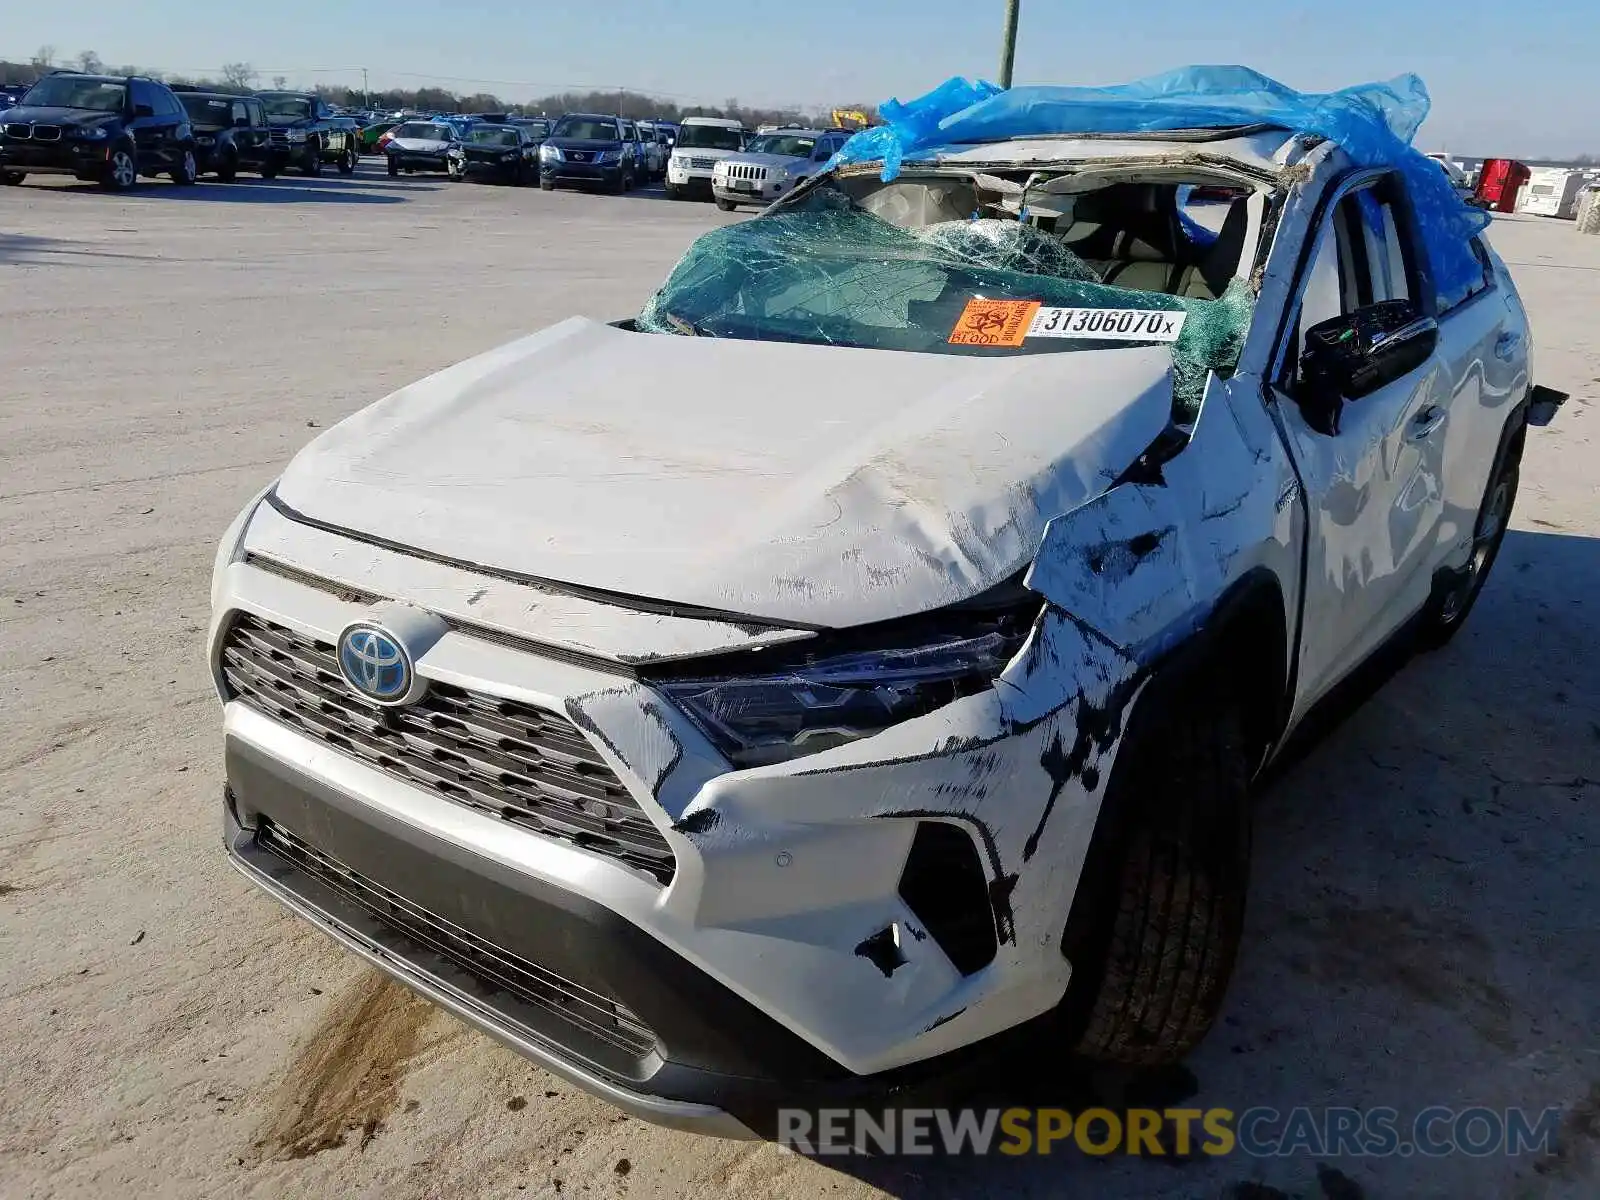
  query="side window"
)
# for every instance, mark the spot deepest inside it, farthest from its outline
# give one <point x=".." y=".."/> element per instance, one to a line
<point x="240" y="113"/>
<point x="143" y="95"/>
<point x="1365" y="257"/>
<point x="258" y="115"/>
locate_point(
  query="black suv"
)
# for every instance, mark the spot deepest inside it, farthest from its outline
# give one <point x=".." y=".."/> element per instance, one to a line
<point x="231" y="134"/>
<point x="108" y="128"/>
<point x="590" y="148"/>
<point x="310" y="133"/>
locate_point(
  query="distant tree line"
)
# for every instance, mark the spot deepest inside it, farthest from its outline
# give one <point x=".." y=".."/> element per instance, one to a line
<point x="242" y="77"/>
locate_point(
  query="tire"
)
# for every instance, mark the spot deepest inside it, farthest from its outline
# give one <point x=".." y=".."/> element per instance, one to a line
<point x="726" y="205"/>
<point x="1156" y="922"/>
<point x="187" y="170"/>
<point x="394" y="168"/>
<point x="228" y="171"/>
<point x="1452" y="603"/>
<point x="674" y="192"/>
<point x="12" y="178"/>
<point x="455" y="170"/>
<point x="347" y="161"/>
<point x="269" y="170"/>
<point x="547" y="185"/>
<point x="122" y="170"/>
<point x="311" y="159"/>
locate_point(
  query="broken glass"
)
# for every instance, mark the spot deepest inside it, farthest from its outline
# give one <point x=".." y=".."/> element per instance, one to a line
<point x="825" y="270"/>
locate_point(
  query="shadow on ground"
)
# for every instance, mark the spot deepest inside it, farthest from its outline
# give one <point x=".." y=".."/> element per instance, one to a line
<point x="1420" y="933"/>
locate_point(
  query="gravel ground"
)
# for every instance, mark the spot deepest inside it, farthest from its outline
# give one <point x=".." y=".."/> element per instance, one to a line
<point x="1423" y="923"/>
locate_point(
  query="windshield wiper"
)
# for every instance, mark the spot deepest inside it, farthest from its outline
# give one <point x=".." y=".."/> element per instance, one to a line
<point x="687" y="328"/>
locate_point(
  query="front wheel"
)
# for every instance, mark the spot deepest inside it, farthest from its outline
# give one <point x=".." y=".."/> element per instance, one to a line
<point x="228" y="169"/>
<point x="674" y="192"/>
<point x="726" y="205"/>
<point x="311" y="160"/>
<point x="394" y="168"/>
<point x="269" y="170"/>
<point x="546" y="185"/>
<point x="1159" y="911"/>
<point x="12" y="178"/>
<point x="122" y="172"/>
<point x="347" y="161"/>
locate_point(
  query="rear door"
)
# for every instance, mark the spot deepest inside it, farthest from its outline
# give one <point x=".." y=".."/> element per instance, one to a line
<point x="1372" y="468"/>
<point x="1483" y="337"/>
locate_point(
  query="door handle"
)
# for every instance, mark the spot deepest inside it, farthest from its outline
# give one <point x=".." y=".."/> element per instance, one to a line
<point x="1425" y="422"/>
<point x="1506" y="345"/>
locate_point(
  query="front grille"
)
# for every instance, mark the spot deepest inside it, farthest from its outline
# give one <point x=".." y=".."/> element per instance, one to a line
<point x="746" y="171"/>
<point x="518" y="762"/>
<point x="596" y="1015"/>
<point x="580" y="156"/>
<point x="18" y="130"/>
<point x="279" y="137"/>
<point x="702" y="164"/>
<point x="47" y="133"/>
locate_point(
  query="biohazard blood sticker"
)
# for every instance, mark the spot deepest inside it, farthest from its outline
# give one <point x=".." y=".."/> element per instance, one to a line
<point x="994" y="323"/>
<point x="1108" y="324"/>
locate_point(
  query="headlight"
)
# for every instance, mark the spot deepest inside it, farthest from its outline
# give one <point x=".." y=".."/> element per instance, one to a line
<point x="509" y="156"/>
<point x="823" y="701"/>
<point x="96" y="134"/>
<point x="550" y="153"/>
<point x="609" y="156"/>
<point x="203" y="140"/>
<point x="297" y="135"/>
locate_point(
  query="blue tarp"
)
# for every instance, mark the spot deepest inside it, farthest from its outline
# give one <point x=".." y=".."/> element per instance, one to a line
<point x="1373" y="122"/>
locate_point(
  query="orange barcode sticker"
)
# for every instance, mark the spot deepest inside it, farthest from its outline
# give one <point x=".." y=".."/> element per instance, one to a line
<point x="994" y="323"/>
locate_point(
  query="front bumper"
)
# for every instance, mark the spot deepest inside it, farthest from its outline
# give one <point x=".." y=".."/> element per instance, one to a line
<point x="763" y="194"/>
<point x="415" y="161"/>
<point x="787" y="958"/>
<point x="494" y="169"/>
<point x="64" y="157"/>
<point x="575" y="172"/>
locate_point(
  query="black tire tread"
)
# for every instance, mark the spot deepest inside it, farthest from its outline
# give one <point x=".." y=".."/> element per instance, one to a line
<point x="1179" y="895"/>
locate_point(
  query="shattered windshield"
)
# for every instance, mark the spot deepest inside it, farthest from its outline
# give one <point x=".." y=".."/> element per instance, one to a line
<point x="824" y="269"/>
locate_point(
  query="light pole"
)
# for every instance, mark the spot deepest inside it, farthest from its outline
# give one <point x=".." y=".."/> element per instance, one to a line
<point x="1008" y="46"/>
<point x="366" y="96"/>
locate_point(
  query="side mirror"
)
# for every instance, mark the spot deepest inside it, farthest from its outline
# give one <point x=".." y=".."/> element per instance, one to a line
<point x="1354" y="355"/>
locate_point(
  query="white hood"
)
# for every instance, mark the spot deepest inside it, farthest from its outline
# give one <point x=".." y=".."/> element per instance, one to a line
<point x="811" y="484"/>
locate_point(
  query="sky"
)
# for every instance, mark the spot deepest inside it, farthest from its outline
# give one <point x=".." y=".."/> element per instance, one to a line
<point x="1506" y="78"/>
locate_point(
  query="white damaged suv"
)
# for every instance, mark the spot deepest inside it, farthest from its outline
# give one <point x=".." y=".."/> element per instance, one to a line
<point x="744" y="751"/>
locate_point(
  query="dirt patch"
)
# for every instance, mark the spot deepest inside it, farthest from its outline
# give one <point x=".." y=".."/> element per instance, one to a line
<point x="346" y="1077"/>
<point x="1434" y="958"/>
<point x="1576" y="1139"/>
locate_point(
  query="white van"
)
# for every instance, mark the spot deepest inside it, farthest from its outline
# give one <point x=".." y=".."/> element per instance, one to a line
<point x="702" y="141"/>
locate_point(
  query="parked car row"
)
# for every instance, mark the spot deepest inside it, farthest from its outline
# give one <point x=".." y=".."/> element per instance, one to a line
<point x="113" y="129"/>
